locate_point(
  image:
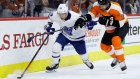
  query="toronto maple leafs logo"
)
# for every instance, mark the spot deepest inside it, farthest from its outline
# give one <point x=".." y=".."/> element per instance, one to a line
<point x="68" y="30"/>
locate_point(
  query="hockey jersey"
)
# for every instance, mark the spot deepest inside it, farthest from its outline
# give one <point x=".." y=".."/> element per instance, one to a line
<point x="69" y="32"/>
<point x="114" y="10"/>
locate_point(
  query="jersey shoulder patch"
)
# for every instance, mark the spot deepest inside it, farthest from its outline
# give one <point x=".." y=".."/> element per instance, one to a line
<point x="50" y="14"/>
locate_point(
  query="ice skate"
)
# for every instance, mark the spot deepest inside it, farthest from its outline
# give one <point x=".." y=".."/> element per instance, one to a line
<point x="52" y="68"/>
<point x="123" y="66"/>
<point x="114" y="63"/>
<point x="89" y="64"/>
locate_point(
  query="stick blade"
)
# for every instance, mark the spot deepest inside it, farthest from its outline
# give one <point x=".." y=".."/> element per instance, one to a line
<point x="18" y="77"/>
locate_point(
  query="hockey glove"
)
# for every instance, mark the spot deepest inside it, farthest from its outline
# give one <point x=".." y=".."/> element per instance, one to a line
<point x="90" y="24"/>
<point x="81" y="21"/>
<point x="49" y="28"/>
<point x="108" y="21"/>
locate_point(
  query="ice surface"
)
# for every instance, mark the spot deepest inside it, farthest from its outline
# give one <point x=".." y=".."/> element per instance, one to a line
<point x="102" y="70"/>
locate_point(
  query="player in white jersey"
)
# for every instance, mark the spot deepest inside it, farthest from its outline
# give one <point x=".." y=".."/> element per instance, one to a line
<point x="66" y="19"/>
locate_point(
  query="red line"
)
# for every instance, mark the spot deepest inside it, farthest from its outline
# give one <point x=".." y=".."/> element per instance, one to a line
<point x="41" y="18"/>
<point x="133" y="14"/>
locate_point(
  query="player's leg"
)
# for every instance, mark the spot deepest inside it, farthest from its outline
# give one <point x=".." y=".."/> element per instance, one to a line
<point x="59" y="44"/>
<point x="80" y="48"/>
<point x="57" y="47"/>
<point x="117" y="43"/>
<point x="106" y="46"/>
<point x="119" y="51"/>
<point x="110" y="51"/>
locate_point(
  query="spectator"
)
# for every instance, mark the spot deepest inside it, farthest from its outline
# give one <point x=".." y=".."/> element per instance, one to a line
<point x="46" y="10"/>
<point x="137" y="3"/>
<point x="131" y="7"/>
<point x="11" y="8"/>
<point x="84" y="6"/>
<point x="114" y="0"/>
<point x="75" y="6"/>
<point x="91" y="4"/>
<point x="1" y="9"/>
<point x="57" y="2"/>
<point x="38" y="7"/>
<point x="121" y="2"/>
<point x="66" y="2"/>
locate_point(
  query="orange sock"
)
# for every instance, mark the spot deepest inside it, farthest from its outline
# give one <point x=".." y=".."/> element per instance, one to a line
<point x="116" y="42"/>
<point x="120" y="57"/>
<point x="108" y="49"/>
<point x="114" y="55"/>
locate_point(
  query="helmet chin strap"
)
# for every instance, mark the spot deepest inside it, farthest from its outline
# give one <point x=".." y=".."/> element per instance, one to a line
<point x="108" y="6"/>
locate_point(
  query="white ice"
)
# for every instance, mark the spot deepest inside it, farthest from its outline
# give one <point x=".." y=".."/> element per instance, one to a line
<point x="102" y="70"/>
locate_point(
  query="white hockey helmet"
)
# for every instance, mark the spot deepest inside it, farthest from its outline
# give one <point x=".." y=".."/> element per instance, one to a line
<point x="62" y="8"/>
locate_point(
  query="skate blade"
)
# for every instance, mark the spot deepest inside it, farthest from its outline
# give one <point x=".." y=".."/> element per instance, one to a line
<point x="124" y="72"/>
<point x="115" y="66"/>
<point x="50" y="71"/>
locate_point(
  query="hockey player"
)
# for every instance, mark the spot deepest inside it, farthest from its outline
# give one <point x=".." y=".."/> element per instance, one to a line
<point x="66" y="19"/>
<point x="116" y="24"/>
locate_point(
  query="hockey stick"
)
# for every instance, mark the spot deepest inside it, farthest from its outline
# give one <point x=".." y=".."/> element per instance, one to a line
<point x="30" y="38"/>
<point x="33" y="57"/>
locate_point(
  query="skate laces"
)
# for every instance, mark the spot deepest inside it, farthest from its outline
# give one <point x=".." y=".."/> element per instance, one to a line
<point x="53" y="65"/>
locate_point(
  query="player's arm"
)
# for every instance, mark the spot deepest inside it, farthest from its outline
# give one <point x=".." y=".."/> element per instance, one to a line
<point x="85" y="18"/>
<point x="109" y="21"/>
<point x="48" y="26"/>
<point x="121" y="18"/>
<point x="51" y="17"/>
<point x="118" y="19"/>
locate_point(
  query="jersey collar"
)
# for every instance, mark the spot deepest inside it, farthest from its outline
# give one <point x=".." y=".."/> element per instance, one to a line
<point x="69" y="16"/>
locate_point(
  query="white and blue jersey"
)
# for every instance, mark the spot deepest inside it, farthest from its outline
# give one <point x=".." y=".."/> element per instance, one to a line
<point x="69" y="32"/>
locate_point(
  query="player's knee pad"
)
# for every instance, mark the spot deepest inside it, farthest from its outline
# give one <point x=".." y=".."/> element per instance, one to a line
<point x="116" y="42"/>
<point x="105" y="47"/>
<point x="57" y="48"/>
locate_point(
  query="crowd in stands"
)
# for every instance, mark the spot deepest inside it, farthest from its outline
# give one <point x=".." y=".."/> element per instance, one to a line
<point x="16" y="8"/>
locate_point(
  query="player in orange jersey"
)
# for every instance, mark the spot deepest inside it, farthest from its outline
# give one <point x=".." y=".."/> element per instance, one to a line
<point x="116" y="24"/>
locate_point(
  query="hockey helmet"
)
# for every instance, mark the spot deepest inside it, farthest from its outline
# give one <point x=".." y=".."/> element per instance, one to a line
<point x="62" y="8"/>
<point x="103" y="2"/>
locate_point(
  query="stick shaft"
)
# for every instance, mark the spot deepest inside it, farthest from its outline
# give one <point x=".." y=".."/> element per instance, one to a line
<point x="46" y="33"/>
<point x="34" y="57"/>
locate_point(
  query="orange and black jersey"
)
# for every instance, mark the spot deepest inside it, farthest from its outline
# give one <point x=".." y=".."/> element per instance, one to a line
<point x="114" y="10"/>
